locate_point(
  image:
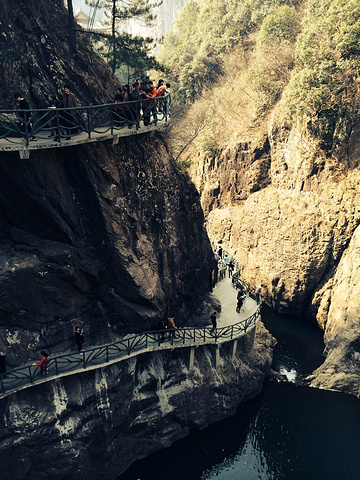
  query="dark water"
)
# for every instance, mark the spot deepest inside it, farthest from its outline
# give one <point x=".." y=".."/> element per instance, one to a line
<point x="288" y="432"/>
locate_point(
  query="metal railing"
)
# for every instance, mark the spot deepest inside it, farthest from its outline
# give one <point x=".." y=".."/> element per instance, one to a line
<point x="23" y="126"/>
<point x="18" y="378"/>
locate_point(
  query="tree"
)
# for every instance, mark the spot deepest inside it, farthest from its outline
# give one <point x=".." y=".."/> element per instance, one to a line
<point x="71" y="25"/>
<point x="121" y="47"/>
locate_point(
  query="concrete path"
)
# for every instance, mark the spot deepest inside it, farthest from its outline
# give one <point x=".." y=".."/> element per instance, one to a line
<point x="225" y="294"/>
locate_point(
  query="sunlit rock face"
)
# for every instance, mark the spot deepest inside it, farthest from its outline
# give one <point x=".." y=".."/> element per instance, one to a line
<point x="98" y="423"/>
<point x="290" y="213"/>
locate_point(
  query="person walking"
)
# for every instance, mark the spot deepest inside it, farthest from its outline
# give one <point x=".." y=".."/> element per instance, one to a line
<point x="213" y="322"/>
<point x="231" y="267"/>
<point x="79" y="339"/>
<point x="171" y="326"/>
<point x="162" y="326"/>
<point x="240" y="300"/>
<point x="258" y="293"/>
<point x="25" y="117"/>
<point x="43" y="364"/>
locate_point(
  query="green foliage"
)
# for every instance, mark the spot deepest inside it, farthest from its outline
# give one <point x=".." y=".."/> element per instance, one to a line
<point x="205" y="29"/>
<point x="279" y="26"/>
<point x="121" y="48"/>
<point x="274" y="56"/>
<point x="324" y="88"/>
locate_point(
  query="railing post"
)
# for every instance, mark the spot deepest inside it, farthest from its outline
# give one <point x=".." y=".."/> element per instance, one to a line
<point x="30" y="375"/>
<point x="112" y="120"/>
<point x="26" y="126"/>
<point x="56" y="366"/>
<point x="137" y="114"/>
<point x="88" y="122"/>
<point x="107" y="353"/>
<point x="2" y="384"/>
<point x="84" y="359"/>
<point x="146" y="340"/>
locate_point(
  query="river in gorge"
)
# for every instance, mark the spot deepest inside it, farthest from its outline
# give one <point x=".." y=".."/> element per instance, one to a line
<point x="288" y="432"/>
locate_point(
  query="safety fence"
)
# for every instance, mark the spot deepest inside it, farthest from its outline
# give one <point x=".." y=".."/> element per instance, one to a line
<point x="21" y="127"/>
<point x="18" y="378"/>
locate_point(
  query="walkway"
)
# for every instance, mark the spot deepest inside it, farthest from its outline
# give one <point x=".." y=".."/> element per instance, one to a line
<point x="225" y="294"/>
<point x="231" y="326"/>
<point x="38" y="129"/>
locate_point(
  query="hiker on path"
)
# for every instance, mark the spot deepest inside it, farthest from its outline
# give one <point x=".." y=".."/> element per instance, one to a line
<point x="43" y="364"/>
<point x="79" y="339"/>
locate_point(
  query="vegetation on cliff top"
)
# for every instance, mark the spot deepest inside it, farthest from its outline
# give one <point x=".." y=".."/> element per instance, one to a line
<point x="239" y="59"/>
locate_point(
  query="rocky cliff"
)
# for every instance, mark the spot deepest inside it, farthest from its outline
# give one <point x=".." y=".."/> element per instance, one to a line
<point x="110" y="237"/>
<point x="290" y="212"/>
<point x="96" y="424"/>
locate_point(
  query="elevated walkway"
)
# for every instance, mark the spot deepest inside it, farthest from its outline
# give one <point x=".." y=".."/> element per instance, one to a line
<point x="231" y="327"/>
<point x="38" y="129"/>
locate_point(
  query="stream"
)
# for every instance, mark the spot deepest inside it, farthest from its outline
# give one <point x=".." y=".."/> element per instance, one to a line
<point x="288" y="432"/>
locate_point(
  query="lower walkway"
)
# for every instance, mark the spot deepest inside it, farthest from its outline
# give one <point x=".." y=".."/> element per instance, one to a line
<point x="225" y="294"/>
<point x="231" y="326"/>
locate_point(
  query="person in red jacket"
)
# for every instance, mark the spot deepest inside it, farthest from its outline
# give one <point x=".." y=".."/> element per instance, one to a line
<point x="153" y="93"/>
<point x="43" y="364"/>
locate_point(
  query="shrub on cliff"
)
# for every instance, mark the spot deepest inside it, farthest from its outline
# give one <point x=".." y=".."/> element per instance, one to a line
<point x="324" y="89"/>
<point x="273" y="58"/>
<point x="203" y="32"/>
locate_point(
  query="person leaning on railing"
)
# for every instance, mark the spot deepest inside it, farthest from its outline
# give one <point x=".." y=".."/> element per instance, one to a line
<point x="53" y="103"/>
<point x="25" y="117"/>
<point x="43" y="364"/>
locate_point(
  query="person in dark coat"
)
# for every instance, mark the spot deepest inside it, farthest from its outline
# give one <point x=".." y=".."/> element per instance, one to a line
<point x="25" y="117"/>
<point x="79" y="339"/>
<point x="68" y="118"/>
<point x="213" y="321"/>
<point x="162" y="325"/>
<point x="240" y="300"/>
<point x="135" y="107"/>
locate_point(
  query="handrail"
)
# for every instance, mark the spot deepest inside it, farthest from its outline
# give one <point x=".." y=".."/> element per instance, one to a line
<point x="20" y="127"/>
<point x="27" y="375"/>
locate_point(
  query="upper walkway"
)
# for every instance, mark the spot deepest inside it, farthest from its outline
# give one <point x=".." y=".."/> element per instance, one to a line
<point x="37" y="129"/>
<point x="231" y="326"/>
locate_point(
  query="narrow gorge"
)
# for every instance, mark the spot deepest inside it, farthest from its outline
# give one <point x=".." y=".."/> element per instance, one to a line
<point x="111" y="238"/>
<point x="262" y="159"/>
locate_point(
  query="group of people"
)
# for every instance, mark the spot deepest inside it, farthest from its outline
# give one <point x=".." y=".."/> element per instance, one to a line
<point x="67" y="124"/>
<point x="148" y="99"/>
<point x="147" y="95"/>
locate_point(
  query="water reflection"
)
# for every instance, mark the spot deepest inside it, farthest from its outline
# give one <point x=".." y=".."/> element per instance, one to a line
<point x="286" y="433"/>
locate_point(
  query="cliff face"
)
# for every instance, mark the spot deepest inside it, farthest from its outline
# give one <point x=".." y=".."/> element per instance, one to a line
<point x="98" y="423"/>
<point x="36" y="58"/>
<point x="111" y="237"/>
<point x="291" y="216"/>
